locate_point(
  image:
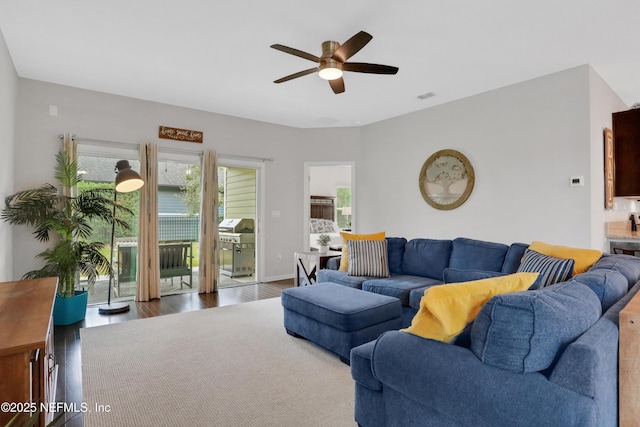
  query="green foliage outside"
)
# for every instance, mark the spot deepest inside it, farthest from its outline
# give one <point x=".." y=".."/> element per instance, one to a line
<point x="191" y="192"/>
<point x="130" y="201"/>
<point x="343" y="199"/>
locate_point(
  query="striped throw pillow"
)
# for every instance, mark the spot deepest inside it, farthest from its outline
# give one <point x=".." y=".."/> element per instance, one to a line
<point x="552" y="270"/>
<point x="368" y="258"/>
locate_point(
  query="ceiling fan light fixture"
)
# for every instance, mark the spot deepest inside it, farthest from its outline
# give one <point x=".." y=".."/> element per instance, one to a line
<point x="330" y="70"/>
<point x="330" y="73"/>
<point x="333" y="61"/>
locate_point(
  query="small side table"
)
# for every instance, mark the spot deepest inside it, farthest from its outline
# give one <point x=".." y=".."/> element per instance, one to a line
<point x="309" y="263"/>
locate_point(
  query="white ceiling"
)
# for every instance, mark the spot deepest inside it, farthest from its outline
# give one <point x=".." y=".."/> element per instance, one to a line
<point x="215" y="55"/>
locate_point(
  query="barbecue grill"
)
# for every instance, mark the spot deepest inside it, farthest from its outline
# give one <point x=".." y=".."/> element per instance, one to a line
<point x="237" y="247"/>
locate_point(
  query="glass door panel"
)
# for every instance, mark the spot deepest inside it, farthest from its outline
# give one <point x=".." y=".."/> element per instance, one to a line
<point x="99" y="172"/>
<point x="237" y="201"/>
<point x="178" y="223"/>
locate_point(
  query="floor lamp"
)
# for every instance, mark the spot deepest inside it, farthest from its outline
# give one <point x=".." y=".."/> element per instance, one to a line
<point x="127" y="180"/>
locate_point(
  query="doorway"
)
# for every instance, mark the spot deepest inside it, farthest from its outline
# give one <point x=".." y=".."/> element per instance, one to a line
<point x="329" y="196"/>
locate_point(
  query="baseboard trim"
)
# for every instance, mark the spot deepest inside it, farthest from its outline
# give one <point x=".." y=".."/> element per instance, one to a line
<point x="276" y="278"/>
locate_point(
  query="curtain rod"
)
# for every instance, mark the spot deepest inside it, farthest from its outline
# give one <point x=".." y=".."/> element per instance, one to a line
<point x="166" y="149"/>
<point x="104" y="142"/>
<point x="241" y="157"/>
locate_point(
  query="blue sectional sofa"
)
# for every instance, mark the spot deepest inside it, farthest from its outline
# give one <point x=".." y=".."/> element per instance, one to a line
<point x="543" y="357"/>
<point x="417" y="264"/>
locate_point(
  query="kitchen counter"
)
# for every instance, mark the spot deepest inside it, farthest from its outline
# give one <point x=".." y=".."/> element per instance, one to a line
<point x="621" y="230"/>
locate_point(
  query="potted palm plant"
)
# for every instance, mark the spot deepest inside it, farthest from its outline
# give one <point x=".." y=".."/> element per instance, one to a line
<point x="51" y="210"/>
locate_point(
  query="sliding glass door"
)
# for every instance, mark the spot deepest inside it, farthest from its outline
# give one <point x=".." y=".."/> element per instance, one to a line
<point x="97" y="165"/>
<point x="179" y="177"/>
<point x="178" y="222"/>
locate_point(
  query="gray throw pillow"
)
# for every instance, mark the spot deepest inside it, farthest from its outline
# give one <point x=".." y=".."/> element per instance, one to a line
<point x="552" y="270"/>
<point x="368" y="258"/>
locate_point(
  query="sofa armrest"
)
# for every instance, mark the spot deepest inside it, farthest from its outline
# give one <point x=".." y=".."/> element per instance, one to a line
<point x="589" y="365"/>
<point x="361" y="366"/>
<point x="454" y="382"/>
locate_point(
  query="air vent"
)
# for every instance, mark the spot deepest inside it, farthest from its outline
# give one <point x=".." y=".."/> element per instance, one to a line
<point x="426" y="95"/>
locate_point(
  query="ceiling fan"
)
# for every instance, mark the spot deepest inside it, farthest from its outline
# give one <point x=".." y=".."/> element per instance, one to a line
<point x="333" y="61"/>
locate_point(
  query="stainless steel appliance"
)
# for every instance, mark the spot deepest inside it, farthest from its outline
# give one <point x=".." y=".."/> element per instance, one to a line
<point x="237" y="247"/>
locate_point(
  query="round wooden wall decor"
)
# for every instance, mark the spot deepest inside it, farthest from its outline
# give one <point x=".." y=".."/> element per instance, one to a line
<point x="446" y="179"/>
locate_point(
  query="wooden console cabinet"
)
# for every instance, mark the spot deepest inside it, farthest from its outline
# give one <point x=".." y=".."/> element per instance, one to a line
<point x="28" y="372"/>
<point x="629" y="364"/>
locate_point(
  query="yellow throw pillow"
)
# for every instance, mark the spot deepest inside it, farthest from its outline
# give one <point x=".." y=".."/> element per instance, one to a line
<point x="584" y="258"/>
<point x="445" y="310"/>
<point x="344" y="261"/>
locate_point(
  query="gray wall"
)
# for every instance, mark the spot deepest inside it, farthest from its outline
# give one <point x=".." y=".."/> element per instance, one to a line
<point x="323" y="180"/>
<point x="97" y="115"/>
<point x="8" y="96"/>
<point x="524" y="141"/>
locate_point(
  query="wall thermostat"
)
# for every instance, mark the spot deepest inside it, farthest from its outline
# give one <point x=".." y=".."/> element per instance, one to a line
<point x="577" y="181"/>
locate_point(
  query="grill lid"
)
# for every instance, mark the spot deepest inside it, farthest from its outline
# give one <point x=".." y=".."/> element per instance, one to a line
<point x="237" y="225"/>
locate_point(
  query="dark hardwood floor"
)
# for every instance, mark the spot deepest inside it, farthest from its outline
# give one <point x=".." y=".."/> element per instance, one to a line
<point x="67" y="338"/>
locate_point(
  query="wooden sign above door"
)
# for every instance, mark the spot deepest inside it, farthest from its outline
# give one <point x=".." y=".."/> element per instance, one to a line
<point x="186" y="135"/>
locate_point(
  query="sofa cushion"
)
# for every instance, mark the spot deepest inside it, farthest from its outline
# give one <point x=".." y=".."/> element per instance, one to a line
<point x="609" y="285"/>
<point x="584" y="258"/>
<point x="514" y="257"/>
<point x="398" y="286"/>
<point x="627" y="265"/>
<point x="552" y="270"/>
<point x="333" y="263"/>
<point x="426" y="257"/>
<point x="367" y="258"/>
<point x="344" y="261"/>
<point x="454" y="275"/>
<point x="415" y="296"/>
<point x="470" y="254"/>
<point x="446" y="310"/>
<point x="395" y="252"/>
<point x="526" y="331"/>
<point x="341" y="278"/>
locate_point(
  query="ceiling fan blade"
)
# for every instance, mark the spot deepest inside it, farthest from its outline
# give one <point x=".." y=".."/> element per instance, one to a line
<point x="337" y="85"/>
<point x="363" y="67"/>
<point x="295" y="52"/>
<point x="296" y="75"/>
<point x="352" y="46"/>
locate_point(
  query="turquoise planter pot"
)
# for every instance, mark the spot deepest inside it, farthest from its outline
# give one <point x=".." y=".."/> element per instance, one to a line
<point x="70" y="310"/>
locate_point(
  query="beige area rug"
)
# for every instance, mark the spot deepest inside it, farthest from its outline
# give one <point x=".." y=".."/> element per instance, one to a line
<point x="225" y="366"/>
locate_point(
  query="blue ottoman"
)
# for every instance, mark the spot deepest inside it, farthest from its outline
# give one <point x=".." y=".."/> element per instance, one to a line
<point x="338" y="317"/>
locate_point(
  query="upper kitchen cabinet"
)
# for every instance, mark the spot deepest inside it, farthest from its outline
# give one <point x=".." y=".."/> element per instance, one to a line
<point x="626" y="136"/>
